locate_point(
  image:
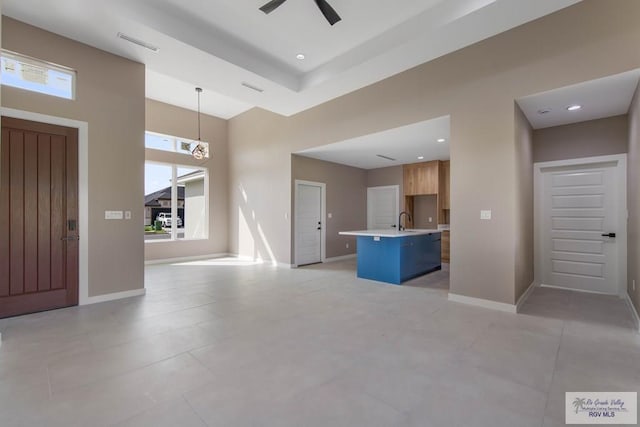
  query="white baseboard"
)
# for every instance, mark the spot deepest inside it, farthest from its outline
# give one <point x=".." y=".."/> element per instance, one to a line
<point x="634" y="312"/>
<point x="542" y="285"/>
<point x="525" y="295"/>
<point x="113" y="296"/>
<point x="185" y="259"/>
<point x="484" y="303"/>
<point x="340" y="258"/>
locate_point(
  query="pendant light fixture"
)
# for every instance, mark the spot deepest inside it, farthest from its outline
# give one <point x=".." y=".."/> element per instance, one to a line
<point x="201" y="150"/>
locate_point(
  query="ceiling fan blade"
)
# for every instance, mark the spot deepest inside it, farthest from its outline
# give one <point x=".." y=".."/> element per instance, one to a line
<point x="328" y="11"/>
<point x="271" y="6"/>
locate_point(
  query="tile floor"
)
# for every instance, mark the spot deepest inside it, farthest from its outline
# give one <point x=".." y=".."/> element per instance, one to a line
<point x="226" y="343"/>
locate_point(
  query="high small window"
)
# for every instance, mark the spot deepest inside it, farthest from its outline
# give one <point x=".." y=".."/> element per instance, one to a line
<point x="34" y="75"/>
<point x="174" y="144"/>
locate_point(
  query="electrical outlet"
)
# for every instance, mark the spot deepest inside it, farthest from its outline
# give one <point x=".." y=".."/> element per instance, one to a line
<point x="430" y="219"/>
<point x="347" y="246"/>
<point x="485" y="214"/>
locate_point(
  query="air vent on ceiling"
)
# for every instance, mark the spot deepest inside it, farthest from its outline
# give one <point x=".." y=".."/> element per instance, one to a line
<point x="386" y="157"/>
<point x="252" y="87"/>
<point x="139" y="42"/>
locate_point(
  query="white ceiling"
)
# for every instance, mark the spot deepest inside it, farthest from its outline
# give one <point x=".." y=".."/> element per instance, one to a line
<point x="605" y="97"/>
<point x="404" y="144"/>
<point x="219" y="44"/>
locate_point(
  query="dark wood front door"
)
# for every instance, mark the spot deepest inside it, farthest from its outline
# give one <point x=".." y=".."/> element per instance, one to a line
<point x="38" y="217"/>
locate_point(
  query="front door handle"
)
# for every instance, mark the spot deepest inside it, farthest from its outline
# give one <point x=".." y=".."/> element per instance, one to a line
<point x="608" y="234"/>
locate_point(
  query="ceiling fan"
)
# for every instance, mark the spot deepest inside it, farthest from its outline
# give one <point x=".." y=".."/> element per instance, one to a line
<point x="324" y="7"/>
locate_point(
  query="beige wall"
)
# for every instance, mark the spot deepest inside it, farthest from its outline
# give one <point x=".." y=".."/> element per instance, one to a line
<point x="385" y="176"/>
<point x="346" y="194"/>
<point x="524" y="266"/>
<point x="110" y="98"/>
<point x="424" y="207"/>
<point x="175" y="121"/>
<point x="586" y="139"/>
<point x="633" y="200"/>
<point x="476" y="86"/>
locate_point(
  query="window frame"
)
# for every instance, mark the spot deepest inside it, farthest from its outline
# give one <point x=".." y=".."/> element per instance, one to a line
<point x="173" y="236"/>
<point x="50" y="66"/>
<point x="175" y="140"/>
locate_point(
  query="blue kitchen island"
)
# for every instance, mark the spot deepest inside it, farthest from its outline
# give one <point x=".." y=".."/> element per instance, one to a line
<point x="396" y="256"/>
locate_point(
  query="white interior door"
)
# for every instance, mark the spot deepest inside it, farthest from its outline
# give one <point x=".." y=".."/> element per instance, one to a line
<point x="382" y="207"/>
<point x="309" y="223"/>
<point x="580" y="207"/>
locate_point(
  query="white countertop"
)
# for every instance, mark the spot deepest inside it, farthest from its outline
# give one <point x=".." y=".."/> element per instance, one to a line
<point x="388" y="232"/>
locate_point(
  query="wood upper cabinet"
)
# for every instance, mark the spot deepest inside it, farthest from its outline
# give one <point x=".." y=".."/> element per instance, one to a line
<point x="421" y="178"/>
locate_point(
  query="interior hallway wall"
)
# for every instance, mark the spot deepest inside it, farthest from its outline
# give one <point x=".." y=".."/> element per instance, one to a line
<point x="110" y="94"/>
<point x="524" y="238"/>
<point x="346" y="194"/>
<point x="633" y="201"/>
<point x="175" y="121"/>
<point x="476" y="86"/>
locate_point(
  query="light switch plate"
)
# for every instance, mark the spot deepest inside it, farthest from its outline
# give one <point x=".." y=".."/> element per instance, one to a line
<point x="127" y="214"/>
<point x="113" y="215"/>
<point x="485" y="214"/>
<point x="330" y="215"/>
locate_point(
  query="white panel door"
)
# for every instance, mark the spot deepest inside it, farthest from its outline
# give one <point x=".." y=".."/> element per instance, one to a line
<point x="308" y="224"/>
<point x="382" y="207"/>
<point x="579" y="211"/>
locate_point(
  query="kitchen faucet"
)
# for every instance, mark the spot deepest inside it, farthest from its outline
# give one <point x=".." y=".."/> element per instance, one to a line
<point x="400" y="227"/>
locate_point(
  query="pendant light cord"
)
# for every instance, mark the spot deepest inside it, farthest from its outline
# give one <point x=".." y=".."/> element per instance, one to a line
<point x="199" y="151"/>
<point x="199" y="90"/>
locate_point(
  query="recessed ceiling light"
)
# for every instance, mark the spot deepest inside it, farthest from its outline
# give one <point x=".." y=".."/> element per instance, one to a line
<point x="574" y="107"/>
<point x="300" y="56"/>
<point x="420" y="157"/>
<point x="441" y="140"/>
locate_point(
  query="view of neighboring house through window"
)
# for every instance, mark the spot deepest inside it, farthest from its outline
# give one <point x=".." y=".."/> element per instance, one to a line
<point x="176" y="197"/>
